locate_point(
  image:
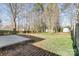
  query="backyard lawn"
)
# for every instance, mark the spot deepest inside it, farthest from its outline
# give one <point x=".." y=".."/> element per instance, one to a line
<point x="59" y="43"/>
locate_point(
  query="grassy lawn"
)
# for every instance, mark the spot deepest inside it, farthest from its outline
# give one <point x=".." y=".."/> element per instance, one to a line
<point x="59" y="43"/>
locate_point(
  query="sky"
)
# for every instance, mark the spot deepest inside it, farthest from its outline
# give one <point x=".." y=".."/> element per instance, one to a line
<point x="65" y="16"/>
<point x="68" y="15"/>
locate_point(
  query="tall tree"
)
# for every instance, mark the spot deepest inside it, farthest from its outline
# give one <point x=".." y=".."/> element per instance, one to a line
<point x="39" y="9"/>
<point x="75" y="34"/>
<point x="78" y="12"/>
<point x="13" y="9"/>
<point x="52" y="11"/>
<point x="0" y="23"/>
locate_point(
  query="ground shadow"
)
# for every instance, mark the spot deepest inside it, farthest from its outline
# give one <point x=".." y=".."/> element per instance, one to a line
<point x="33" y="38"/>
<point x="26" y="49"/>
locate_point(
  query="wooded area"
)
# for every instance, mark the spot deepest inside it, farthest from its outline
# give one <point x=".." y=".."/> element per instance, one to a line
<point x="41" y="17"/>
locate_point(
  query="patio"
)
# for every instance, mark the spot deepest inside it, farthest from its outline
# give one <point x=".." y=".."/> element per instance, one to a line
<point x="11" y="39"/>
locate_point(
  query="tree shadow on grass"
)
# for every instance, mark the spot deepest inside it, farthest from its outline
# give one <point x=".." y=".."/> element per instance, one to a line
<point x="33" y="38"/>
<point x="26" y="49"/>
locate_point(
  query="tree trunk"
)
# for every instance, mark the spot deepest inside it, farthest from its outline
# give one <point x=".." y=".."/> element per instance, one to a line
<point x="14" y="29"/>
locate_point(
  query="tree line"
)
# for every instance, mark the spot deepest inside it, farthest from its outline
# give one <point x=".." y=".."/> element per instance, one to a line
<point x="38" y="18"/>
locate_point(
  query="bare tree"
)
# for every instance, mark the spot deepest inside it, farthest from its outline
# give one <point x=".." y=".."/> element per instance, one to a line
<point x="39" y="23"/>
<point x="78" y="12"/>
<point x="15" y="10"/>
<point x="52" y="12"/>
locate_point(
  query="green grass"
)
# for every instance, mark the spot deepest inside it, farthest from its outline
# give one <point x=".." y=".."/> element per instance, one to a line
<point x="59" y="43"/>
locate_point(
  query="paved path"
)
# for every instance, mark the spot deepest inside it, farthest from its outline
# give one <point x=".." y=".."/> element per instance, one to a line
<point x="11" y="39"/>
